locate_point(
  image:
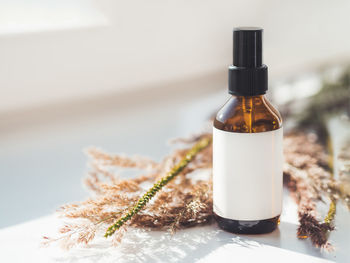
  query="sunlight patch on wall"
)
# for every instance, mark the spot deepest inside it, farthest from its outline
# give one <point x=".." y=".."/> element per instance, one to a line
<point x="18" y="17"/>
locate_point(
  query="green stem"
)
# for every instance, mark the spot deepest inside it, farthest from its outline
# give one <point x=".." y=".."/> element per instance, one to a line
<point x="333" y="205"/>
<point x="176" y="170"/>
<point x="331" y="212"/>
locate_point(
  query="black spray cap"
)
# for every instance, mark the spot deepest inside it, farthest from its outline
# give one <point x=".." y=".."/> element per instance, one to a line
<point x="247" y="47"/>
<point x="247" y="75"/>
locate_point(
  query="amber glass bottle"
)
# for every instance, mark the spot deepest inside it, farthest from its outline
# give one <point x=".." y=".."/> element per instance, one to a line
<point x="247" y="145"/>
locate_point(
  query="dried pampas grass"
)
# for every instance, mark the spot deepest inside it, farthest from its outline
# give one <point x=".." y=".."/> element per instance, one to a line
<point x="186" y="200"/>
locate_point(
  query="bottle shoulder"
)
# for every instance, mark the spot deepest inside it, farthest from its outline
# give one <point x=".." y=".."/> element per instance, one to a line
<point x="248" y="115"/>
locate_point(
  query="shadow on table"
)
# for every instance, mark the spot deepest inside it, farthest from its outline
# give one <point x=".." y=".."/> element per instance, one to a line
<point x="186" y="245"/>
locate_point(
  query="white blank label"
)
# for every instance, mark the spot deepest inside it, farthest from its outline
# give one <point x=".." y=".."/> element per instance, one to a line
<point x="247" y="174"/>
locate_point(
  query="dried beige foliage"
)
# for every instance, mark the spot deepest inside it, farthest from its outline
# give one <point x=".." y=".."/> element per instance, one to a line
<point x="187" y="200"/>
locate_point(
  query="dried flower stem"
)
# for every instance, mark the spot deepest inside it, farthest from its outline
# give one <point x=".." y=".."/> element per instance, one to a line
<point x="202" y="144"/>
<point x="331" y="212"/>
<point x="333" y="205"/>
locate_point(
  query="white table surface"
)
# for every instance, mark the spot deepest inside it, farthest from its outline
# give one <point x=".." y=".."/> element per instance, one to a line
<point x="21" y="243"/>
<point x="41" y="167"/>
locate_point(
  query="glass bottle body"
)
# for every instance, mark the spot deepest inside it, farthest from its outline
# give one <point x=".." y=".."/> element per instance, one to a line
<point x="248" y="114"/>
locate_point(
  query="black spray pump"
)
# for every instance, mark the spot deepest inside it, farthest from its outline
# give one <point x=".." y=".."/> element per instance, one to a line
<point x="247" y="75"/>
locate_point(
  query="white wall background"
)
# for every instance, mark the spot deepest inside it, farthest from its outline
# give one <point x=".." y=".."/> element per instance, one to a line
<point x="55" y="51"/>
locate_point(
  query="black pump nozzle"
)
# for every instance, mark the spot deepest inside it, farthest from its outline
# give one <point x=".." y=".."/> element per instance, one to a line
<point x="247" y="47"/>
<point x="247" y="75"/>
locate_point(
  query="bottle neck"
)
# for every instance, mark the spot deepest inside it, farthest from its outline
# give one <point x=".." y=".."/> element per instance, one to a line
<point x="253" y="98"/>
